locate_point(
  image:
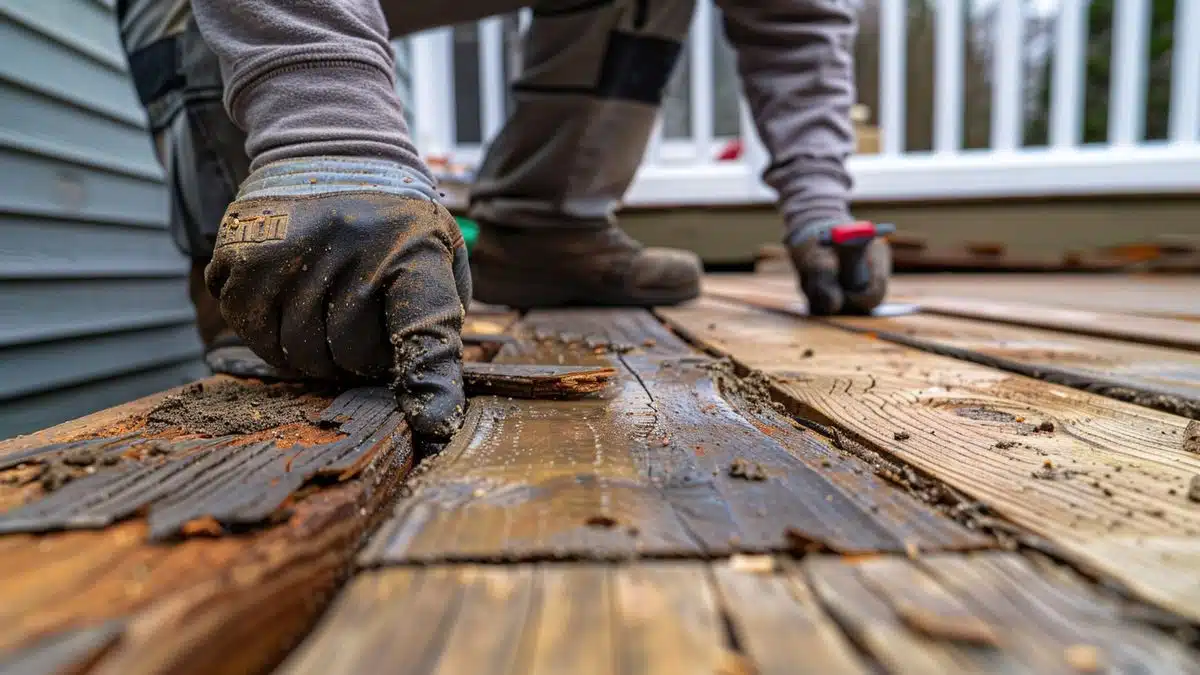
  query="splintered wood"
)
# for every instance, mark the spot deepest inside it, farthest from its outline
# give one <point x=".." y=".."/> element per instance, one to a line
<point x="534" y="381"/>
<point x="109" y="601"/>
<point x="649" y="468"/>
<point x="840" y="496"/>
<point x="1104" y="481"/>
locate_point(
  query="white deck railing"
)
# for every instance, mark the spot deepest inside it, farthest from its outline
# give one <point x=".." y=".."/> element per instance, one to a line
<point x="685" y="171"/>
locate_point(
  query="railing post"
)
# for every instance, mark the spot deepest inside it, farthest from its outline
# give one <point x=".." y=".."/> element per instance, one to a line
<point x="491" y="77"/>
<point x="1127" y="97"/>
<point x="1008" y="100"/>
<point x="947" y="130"/>
<point x="1185" y="74"/>
<point x="433" y="91"/>
<point x="1066" y="87"/>
<point x="701" y="44"/>
<point x="893" y="34"/>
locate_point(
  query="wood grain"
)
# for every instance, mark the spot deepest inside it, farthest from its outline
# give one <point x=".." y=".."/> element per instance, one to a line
<point x="1105" y="481"/>
<point x="780" y="625"/>
<point x="667" y="620"/>
<point x="202" y="604"/>
<point x="528" y="619"/>
<point x="647" y="468"/>
<point x="1158" y="377"/>
<point x="1150" y="330"/>
<point x="986" y="612"/>
<point x="1045" y="611"/>
<point x="1164" y="296"/>
<point x="828" y="614"/>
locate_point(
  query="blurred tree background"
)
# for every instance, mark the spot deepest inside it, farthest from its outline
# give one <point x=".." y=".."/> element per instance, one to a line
<point x="1098" y="74"/>
<point x="1038" y="42"/>
<point x="979" y="29"/>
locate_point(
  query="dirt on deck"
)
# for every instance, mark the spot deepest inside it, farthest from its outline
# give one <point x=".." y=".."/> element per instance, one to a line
<point x="227" y="408"/>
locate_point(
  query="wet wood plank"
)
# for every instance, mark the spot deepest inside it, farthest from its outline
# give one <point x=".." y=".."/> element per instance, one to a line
<point x="672" y="460"/>
<point x="780" y="625"/>
<point x="871" y="622"/>
<point x="667" y="620"/>
<point x="1158" y="377"/>
<point x="201" y="603"/>
<point x="1104" y="481"/>
<point x="987" y="612"/>
<point x="537" y="619"/>
<point x="1051" y="614"/>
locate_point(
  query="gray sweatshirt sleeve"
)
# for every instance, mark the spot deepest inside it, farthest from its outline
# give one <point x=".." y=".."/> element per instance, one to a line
<point x="307" y="78"/>
<point x="796" y="61"/>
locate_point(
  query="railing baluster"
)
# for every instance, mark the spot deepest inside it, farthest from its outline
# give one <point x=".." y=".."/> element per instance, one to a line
<point x="701" y="43"/>
<point x="1127" y="94"/>
<point x="524" y="18"/>
<point x="653" y="154"/>
<point x="433" y="91"/>
<point x="948" y="110"/>
<point x="893" y="33"/>
<point x="1066" y="86"/>
<point x="491" y="76"/>
<point x="1007" y="96"/>
<point x="1185" y="73"/>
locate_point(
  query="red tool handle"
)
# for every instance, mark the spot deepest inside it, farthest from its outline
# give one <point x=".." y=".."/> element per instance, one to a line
<point x="842" y="234"/>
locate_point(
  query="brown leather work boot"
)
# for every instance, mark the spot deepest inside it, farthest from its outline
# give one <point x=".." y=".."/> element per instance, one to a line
<point x="542" y="267"/>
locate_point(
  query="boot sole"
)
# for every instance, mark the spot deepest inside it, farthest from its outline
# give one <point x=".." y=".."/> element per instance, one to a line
<point x="493" y="290"/>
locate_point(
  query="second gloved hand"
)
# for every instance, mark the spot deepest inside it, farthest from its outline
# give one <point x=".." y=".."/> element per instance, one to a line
<point x="344" y="269"/>
<point x="843" y="267"/>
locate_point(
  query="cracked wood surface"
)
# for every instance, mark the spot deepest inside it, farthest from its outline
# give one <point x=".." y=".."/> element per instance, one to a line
<point x="1158" y="377"/>
<point x="755" y="614"/>
<point x="202" y="604"/>
<point x="663" y="463"/>
<point x="1105" y="482"/>
<point x="109" y="601"/>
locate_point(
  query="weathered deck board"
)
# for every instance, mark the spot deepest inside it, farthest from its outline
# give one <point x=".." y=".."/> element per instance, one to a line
<point x="1161" y="295"/>
<point x="780" y="625"/>
<point x="114" y="602"/>
<point x="1105" y="481"/>
<point x="1044" y="612"/>
<point x="985" y="613"/>
<point x="1151" y="330"/>
<point x="202" y="604"/>
<point x="1165" y="296"/>
<point x="663" y="464"/>
<point x="1158" y="377"/>
<point x="827" y="615"/>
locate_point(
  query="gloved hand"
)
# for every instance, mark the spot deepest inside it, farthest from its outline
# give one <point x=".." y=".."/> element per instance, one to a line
<point x="843" y="267"/>
<point x="347" y="269"/>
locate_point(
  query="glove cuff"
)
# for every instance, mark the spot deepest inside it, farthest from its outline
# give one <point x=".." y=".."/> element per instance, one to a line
<point x="309" y="176"/>
<point x="812" y="229"/>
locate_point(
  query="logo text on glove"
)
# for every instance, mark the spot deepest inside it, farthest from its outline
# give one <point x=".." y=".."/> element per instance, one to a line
<point x="254" y="230"/>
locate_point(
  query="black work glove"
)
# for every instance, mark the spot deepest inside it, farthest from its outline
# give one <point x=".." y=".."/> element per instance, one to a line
<point x="843" y="267"/>
<point x="346" y="269"/>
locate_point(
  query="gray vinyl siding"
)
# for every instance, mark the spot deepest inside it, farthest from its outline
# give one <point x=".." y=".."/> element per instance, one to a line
<point x="93" y="297"/>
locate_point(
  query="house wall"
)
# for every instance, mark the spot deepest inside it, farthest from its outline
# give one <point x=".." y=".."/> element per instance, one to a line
<point x="93" y="302"/>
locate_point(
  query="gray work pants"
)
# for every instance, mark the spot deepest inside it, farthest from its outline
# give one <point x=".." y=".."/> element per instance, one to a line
<point x="314" y="77"/>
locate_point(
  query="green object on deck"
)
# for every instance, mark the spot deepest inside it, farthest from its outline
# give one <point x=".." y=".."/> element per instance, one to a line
<point x="470" y="231"/>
